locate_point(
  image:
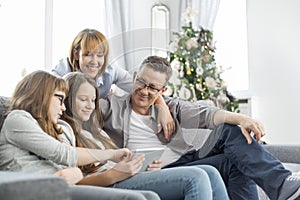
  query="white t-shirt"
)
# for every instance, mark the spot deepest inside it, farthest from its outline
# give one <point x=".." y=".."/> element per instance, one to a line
<point x="142" y="134"/>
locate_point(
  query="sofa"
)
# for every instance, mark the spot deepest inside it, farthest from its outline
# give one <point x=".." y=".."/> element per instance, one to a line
<point x="26" y="186"/>
<point x="288" y="154"/>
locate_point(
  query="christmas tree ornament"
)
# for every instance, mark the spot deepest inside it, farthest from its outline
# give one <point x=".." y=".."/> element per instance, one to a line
<point x="185" y="93"/>
<point x="181" y="74"/>
<point x="188" y="70"/>
<point x="194" y="98"/>
<point x="198" y="86"/>
<point x="210" y="82"/>
<point x="175" y="64"/>
<point x="199" y="62"/>
<point x="174" y="79"/>
<point x="199" y="71"/>
<point x="206" y="58"/>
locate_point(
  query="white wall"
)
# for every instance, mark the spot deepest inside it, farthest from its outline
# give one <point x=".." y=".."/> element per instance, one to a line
<point x="274" y="67"/>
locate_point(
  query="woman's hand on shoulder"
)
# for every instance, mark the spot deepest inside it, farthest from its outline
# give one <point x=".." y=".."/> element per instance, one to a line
<point x="165" y="121"/>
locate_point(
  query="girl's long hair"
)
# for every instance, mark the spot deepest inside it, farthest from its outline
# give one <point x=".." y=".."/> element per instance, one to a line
<point x="33" y="94"/>
<point x="88" y="40"/>
<point x="95" y="123"/>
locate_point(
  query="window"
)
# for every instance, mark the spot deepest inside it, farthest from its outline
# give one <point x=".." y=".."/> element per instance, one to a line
<point x="69" y="18"/>
<point x="38" y="33"/>
<point x="160" y="29"/>
<point x="230" y="34"/>
<point x="21" y="39"/>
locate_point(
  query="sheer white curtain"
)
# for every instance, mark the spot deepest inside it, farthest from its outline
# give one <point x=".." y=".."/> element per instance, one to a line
<point x="203" y="12"/>
<point x="119" y="32"/>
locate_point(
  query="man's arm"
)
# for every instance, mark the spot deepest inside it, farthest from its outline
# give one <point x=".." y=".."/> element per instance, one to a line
<point x="246" y="123"/>
<point x="192" y="115"/>
<point x="201" y="115"/>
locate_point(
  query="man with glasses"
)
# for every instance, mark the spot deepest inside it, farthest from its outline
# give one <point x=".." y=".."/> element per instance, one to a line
<point x="131" y="121"/>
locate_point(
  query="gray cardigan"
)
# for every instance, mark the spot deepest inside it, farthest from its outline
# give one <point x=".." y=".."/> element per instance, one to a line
<point x="25" y="147"/>
<point x="189" y="118"/>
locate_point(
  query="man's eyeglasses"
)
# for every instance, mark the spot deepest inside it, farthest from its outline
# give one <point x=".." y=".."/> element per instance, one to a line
<point x="151" y="88"/>
<point x="61" y="98"/>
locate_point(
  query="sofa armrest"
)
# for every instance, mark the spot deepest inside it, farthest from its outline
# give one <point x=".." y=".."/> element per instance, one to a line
<point x="285" y="152"/>
<point x="16" y="185"/>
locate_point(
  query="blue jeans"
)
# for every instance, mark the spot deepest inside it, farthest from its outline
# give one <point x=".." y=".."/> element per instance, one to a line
<point x="241" y="165"/>
<point x="179" y="183"/>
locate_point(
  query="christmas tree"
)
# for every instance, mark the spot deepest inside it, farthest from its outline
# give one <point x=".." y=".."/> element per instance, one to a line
<point x="195" y="73"/>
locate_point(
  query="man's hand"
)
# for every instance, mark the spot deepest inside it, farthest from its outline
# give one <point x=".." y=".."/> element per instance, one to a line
<point x="249" y="125"/>
<point x="246" y="123"/>
<point x="155" y="165"/>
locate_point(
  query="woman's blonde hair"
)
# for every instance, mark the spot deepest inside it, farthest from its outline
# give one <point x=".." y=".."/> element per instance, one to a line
<point x="88" y="40"/>
<point x="95" y="123"/>
<point x="34" y="93"/>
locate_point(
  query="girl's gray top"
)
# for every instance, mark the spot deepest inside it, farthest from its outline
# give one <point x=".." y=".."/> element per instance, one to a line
<point x="25" y="147"/>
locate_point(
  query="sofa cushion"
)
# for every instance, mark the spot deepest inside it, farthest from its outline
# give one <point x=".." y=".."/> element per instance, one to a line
<point x="294" y="167"/>
<point x="286" y="153"/>
<point x="16" y="185"/>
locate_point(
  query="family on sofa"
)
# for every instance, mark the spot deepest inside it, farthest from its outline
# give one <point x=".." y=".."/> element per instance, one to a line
<point x="228" y="165"/>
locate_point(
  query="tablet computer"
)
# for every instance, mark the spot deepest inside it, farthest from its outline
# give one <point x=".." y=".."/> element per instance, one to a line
<point x="151" y="154"/>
